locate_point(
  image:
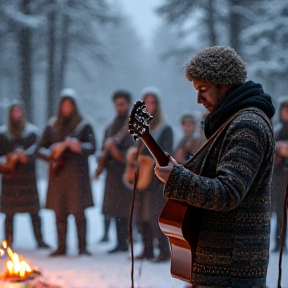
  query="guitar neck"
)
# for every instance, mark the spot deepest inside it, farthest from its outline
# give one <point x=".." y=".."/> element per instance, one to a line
<point x="157" y="152"/>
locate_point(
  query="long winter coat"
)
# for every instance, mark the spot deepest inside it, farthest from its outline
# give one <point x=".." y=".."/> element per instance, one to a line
<point x="19" y="187"/>
<point x="117" y="197"/>
<point x="230" y="183"/>
<point x="70" y="187"/>
<point x="150" y="201"/>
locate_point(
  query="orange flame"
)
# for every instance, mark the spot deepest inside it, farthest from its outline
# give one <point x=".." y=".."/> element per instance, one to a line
<point x="16" y="267"/>
<point x="4" y="244"/>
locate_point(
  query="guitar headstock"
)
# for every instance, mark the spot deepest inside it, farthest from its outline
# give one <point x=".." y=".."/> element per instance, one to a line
<point x="139" y="120"/>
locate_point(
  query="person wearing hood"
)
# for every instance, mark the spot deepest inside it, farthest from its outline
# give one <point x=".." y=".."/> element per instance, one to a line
<point x="227" y="183"/>
<point x="19" y="187"/>
<point x="150" y="200"/>
<point x="66" y="143"/>
<point x="280" y="175"/>
<point x="191" y="140"/>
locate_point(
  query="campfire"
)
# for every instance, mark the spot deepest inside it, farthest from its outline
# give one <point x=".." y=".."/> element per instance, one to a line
<point x="18" y="272"/>
<point x="17" y="268"/>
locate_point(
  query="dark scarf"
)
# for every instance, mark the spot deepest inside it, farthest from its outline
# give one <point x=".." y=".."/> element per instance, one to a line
<point x="117" y="125"/>
<point x="249" y="94"/>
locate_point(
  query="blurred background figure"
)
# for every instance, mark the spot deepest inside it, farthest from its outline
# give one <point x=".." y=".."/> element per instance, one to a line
<point x="150" y="201"/>
<point x="19" y="188"/>
<point x="117" y="197"/>
<point x="66" y="143"/>
<point x="280" y="175"/>
<point x="191" y="140"/>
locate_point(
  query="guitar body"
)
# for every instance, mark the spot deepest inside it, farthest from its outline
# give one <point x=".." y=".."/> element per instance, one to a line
<point x="57" y="157"/>
<point x="178" y="221"/>
<point x="181" y="223"/>
<point x="146" y="172"/>
<point x="11" y="161"/>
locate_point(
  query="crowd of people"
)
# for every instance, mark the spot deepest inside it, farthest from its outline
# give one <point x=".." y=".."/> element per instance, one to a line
<point x="220" y="179"/>
<point x="65" y="144"/>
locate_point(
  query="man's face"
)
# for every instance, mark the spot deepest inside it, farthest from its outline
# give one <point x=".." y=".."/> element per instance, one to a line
<point x="209" y="94"/>
<point x="121" y="106"/>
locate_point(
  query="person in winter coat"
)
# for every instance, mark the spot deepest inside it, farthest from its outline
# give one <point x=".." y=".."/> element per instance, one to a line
<point x="150" y="201"/>
<point x="117" y="197"/>
<point x="229" y="179"/>
<point x="191" y="140"/>
<point x="19" y="187"/>
<point x="280" y="175"/>
<point x="66" y="143"/>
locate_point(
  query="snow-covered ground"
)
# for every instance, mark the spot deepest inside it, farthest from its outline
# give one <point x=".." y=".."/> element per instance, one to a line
<point x="101" y="270"/>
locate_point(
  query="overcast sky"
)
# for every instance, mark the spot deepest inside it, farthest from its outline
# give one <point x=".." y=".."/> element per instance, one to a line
<point x="142" y="16"/>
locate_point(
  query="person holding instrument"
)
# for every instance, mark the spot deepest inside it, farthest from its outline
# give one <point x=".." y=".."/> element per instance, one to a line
<point x="150" y="201"/>
<point x="67" y="142"/>
<point x="229" y="179"/>
<point x="117" y="197"/>
<point x="19" y="187"/>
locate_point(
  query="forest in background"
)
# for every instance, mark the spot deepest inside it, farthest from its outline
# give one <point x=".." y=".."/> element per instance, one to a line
<point x="92" y="47"/>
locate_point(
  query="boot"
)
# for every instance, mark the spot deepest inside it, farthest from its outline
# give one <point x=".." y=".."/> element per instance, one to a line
<point x="164" y="247"/>
<point x="147" y="237"/>
<point x="61" y="235"/>
<point x="36" y="222"/>
<point x="107" y="221"/>
<point x="9" y="224"/>
<point x="81" y="232"/>
<point x="122" y="235"/>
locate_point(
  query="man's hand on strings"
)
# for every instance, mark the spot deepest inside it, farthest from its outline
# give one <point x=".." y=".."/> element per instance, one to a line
<point x="163" y="172"/>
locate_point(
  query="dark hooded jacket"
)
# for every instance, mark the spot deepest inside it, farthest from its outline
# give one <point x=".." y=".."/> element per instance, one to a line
<point x="229" y="181"/>
<point x="19" y="187"/>
<point x="70" y="186"/>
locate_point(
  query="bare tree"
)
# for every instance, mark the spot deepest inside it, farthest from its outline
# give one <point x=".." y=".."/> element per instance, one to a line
<point x="25" y="55"/>
<point x="72" y="36"/>
<point x="190" y="17"/>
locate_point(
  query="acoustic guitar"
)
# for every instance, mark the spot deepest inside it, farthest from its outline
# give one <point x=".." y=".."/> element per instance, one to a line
<point x="101" y="159"/>
<point x="9" y="162"/>
<point x="178" y="221"/>
<point x="57" y="159"/>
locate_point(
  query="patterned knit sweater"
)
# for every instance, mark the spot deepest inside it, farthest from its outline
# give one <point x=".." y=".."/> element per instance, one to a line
<point x="230" y="182"/>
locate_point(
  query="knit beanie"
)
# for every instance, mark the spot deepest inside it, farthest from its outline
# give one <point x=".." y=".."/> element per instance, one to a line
<point x="217" y="64"/>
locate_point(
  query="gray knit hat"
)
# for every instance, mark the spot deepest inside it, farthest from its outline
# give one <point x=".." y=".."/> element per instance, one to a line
<point x="217" y="64"/>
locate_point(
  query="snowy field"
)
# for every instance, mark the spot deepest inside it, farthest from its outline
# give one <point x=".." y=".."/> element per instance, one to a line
<point x="101" y="270"/>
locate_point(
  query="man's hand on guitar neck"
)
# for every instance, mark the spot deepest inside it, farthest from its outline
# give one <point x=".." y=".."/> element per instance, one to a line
<point x="163" y="172"/>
